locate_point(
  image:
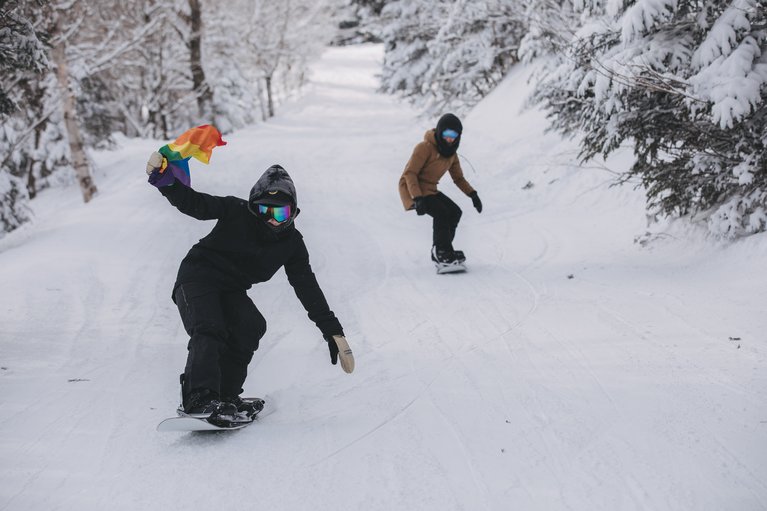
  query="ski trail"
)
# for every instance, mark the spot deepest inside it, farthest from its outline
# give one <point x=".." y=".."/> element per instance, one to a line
<point x="567" y="369"/>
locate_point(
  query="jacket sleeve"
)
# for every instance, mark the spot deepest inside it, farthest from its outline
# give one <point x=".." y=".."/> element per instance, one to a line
<point x="456" y="172"/>
<point x="301" y="277"/>
<point x="414" y="167"/>
<point x="193" y="203"/>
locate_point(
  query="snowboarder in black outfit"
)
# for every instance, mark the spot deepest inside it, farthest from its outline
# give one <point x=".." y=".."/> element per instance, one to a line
<point x="250" y="242"/>
<point x="431" y="159"/>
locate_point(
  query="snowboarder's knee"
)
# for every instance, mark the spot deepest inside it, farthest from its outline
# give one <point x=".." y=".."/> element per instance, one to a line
<point x="210" y="330"/>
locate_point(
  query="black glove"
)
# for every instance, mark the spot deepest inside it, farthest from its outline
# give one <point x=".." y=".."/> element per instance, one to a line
<point x="333" y="347"/>
<point x="475" y="200"/>
<point x="420" y="205"/>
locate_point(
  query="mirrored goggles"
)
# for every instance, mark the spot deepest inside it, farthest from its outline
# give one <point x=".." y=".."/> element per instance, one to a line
<point x="449" y="134"/>
<point x="279" y="213"/>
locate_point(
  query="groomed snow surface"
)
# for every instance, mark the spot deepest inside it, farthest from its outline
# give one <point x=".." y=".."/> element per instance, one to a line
<point x="570" y="369"/>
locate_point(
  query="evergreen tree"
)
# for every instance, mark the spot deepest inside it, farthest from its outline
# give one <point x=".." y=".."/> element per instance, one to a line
<point x="358" y="21"/>
<point x="407" y="29"/>
<point x="22" y="48"/>
<point x="473" y="50"/>
<point x="685" y="82"/>
<point x="23" y="62"/>
<point x="448" y="54"/>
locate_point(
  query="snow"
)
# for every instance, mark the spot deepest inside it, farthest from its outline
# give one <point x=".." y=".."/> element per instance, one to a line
<point x="570" y="368"/>
<point x="728" y="72"/>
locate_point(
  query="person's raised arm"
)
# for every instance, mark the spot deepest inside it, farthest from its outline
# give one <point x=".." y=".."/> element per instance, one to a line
<point x="190" y="202"/>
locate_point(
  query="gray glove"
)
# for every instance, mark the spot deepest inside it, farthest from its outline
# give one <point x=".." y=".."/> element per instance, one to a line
<point x="339" y="348"/>
<point x="154" y="163"/>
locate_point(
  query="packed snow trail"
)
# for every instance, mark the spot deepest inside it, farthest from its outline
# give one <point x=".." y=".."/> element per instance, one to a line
<point x="570" y="368"/>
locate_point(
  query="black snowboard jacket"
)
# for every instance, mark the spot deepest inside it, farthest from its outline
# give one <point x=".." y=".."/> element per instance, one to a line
<point x="240" y="251"/>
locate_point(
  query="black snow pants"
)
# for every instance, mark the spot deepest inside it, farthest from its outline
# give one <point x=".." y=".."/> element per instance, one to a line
<point x="446" y="215"/>
<point x="224" y="328"/>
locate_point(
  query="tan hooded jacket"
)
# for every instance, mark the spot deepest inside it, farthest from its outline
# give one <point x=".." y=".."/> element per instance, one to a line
<point x="424" y="170"/>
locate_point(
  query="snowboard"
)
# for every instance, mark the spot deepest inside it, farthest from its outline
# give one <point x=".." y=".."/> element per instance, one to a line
<point x="185" y="422"/>
<point x="454" y="267"/>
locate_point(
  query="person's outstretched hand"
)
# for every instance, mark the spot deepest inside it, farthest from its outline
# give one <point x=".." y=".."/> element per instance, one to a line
<point x="339" y="348"/>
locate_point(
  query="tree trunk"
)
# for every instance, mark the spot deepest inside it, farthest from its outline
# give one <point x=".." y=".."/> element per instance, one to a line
<point x="269" y="100"/>
<point x="31" y="178"/>
<point x="68" y="106"/>
<point x="31" y="187"/>
<point x="204" y="96"/>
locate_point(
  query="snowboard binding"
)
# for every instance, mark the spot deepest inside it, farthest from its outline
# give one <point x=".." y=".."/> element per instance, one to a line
<point x="213" y="422"/>
<point x="448" y="261"/>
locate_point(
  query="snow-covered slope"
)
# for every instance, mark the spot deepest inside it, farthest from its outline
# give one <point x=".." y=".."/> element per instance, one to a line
<point x="570" y="368"/>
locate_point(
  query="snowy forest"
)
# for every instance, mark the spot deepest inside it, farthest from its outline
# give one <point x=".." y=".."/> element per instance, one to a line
<point x="682" y="82"/>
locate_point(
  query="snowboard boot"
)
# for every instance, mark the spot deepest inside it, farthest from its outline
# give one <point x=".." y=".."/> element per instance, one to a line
<point x="205" y="404"/>
<point x="247" y="407"/>
<point x="441" y="256"/>
<point x="459" y="256"/>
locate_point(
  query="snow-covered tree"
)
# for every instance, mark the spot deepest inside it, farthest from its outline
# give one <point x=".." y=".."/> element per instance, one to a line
<point x="473" y="50"/>
<point x="200" y="86"/>
<point x="448" y="54"/>
<point x="283" y="38"/>
<point x="152" y="84"/>
<point x="357" y="21"/>
<point x="550" y="26"/>
<point x="22" y="48"/>
<point x="23" y="62"/>
<point x="41" y="153"/>
<point x="74" y="72"/>
<point x="67" y="18"/>
<point x="684" y="81"/>
<point x="235" y="95"/>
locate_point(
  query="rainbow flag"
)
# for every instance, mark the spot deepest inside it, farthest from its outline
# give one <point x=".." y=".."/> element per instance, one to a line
<point x="195" y="143"/>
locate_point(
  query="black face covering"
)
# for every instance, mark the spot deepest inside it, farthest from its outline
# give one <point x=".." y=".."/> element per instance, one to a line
<point x="448" y="122"/>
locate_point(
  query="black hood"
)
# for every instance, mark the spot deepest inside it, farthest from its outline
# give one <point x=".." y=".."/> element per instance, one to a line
<point x="274" y="187"/>
<point x="275" y="179"/>
<point x="448" y="122"/>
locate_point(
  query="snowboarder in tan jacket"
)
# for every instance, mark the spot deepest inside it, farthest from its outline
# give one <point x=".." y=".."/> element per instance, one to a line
<point x="431" y="159"/>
